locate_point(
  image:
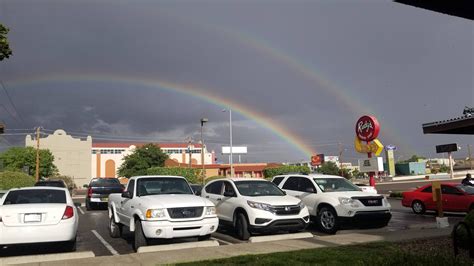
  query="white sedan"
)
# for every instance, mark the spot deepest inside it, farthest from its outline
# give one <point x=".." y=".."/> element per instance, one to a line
<point x="37" y="215"/>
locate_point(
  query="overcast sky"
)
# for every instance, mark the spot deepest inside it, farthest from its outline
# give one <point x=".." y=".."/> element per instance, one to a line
<point x="310" y="67"/>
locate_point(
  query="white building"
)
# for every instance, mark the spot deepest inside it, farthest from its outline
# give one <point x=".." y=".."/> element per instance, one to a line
<point x="71" y="155"/>
<point x="108" y="157"/>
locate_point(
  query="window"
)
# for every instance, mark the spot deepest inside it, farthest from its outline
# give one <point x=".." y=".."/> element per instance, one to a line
<point x="104" y="182"/>
<point x="258" y="188"/>
<point x="335" y="184"/>
<point x="291" y="183"/>
<point x="449" y="190"/>
<point x="427" y="189"/>
<point x="228" y="187"/>
<point x="214" y="188"/>
<point x="131" y="187"/>
<point x="305" y="185"/>
<point x="277" y="180"/>
<point x="161" y="186"/>
<point x="35" y="196"/>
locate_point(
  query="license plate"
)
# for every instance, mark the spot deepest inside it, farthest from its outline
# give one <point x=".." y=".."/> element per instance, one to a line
<point x="95" y="199"/>
<point x="105" y="199"/>
<point x="32" y="218"/>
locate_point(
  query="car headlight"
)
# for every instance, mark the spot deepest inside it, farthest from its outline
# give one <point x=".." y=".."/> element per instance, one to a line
<point x="261" y="206"/>
<point x="349" y="202"/>
<point x="210" y="210"/>
<point x="301" y="204"/>
<point x="155" y="213"/>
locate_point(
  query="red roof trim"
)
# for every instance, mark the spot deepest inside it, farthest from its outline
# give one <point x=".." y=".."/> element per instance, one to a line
<point x="138" y="144"/>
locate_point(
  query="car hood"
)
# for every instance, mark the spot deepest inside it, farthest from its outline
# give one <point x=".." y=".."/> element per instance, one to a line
<point x="349" y="194"/>
<point x="276" y="200"/>
<point x="173" y="201"/>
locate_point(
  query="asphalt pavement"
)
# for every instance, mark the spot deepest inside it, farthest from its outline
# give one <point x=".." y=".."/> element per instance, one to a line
<point x="93" y="233"/>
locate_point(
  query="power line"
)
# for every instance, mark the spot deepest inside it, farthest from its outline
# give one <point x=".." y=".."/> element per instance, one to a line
<point x="11" y="102"/>
<point x="10" y="113"/>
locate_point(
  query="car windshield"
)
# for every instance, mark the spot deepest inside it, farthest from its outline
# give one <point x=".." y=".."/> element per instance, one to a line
<point x="335" y="185"/>
<point x="467" y="189"/>
<point x="104" y="182"/>
<point x="32" y="196"/>
<point x="160" y="186"/>
<point x="258" y="188"/>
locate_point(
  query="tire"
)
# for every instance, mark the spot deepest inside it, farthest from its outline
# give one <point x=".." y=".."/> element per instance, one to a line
<point x="327" y="220"/>
<point x="418" y="207"/>
<point x="471" y="208"/>
<point x="204" y="237"/>
<point x="115" y="229"/>
<point x="70" y="246"/>
<point x="242" y="227"/>
<point x="139" y="239"/>
<point x="88" y="205"/>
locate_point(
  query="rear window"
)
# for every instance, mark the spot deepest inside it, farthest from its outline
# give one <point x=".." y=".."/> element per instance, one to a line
<point x="103" y="182"/>
<point x="32" y="196"/>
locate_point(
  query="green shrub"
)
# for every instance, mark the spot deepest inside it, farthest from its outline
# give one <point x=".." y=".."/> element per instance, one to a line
<point x="11" y="179"/>
<point x="463" y="238"/>
<point x="191" y="174"/>
<point x="214" y="178"/>
<point x="67" y="179"/>
<point x="285" y="169"/>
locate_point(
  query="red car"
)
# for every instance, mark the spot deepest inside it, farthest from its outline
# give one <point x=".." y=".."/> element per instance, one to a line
<point x="455" y="197"/>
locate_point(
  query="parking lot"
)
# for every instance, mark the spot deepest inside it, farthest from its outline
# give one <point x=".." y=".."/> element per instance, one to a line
<point x="93" y="233"/>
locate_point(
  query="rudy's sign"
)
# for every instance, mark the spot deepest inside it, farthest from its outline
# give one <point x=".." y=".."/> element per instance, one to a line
<point x="367" y="129"/>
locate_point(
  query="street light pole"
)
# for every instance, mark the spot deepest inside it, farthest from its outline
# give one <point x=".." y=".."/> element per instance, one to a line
<point x="203" y="120"/>
<point x="230" y="137"/>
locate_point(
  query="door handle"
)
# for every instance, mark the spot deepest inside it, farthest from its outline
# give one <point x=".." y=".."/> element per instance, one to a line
<point x="122" y="202"/>
<point x="207" y="197"/>
<point x="132" y="207"/>
<point x="218" y="199"/>
<point x="298" y="196"/>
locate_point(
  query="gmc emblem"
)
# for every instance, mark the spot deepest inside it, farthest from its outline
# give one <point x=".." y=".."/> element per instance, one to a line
<point x="287" y="208"/>
<point x="372" y="201"/>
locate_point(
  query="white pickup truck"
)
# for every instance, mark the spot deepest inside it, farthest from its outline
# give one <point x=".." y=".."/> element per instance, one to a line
<point x="160" y="207"/>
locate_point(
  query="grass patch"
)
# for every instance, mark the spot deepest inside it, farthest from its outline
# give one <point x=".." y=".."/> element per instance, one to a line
<point x="381" y="253"/>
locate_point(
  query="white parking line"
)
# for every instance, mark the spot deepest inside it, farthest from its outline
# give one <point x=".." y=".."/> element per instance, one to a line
<point x="80" y="210"/>
<point x="223" y="241"/>
<point x="107" y="245"/>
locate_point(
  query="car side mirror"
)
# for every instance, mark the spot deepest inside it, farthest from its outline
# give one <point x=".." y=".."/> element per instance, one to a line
<point x="309" y="190"/>
<point x="284" y="192"/>
<point x="229" y="194"/>
<point x="85" y="186"/>
<point x="197" y="192"/>
<point x="127" y="195"/>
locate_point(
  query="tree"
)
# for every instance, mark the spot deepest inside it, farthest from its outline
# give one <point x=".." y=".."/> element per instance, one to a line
<point x="141" y="159"/>
<point x="414" y="158"/>
<point x="329" y="168"/>
<point x="24" y="159"/>
<point x="13" y="179"/>
<point x="285" y="169"/>
<point x="191" y="174"/>
<point x="5" y="50"/>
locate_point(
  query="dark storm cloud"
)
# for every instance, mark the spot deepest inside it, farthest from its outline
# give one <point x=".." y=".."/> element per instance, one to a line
<point x="407" y="65"/>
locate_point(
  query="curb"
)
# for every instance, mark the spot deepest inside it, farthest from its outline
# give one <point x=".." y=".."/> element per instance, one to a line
<point x="201" y="244"/>
<point x="258" y="239"/>
<point x="46" y="257"/>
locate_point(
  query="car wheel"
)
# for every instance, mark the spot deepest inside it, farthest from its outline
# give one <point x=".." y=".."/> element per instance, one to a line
<point x="115" y="229"/>
<point x="139" y="239"/>
<point x="242" y="227"/>
<point x="471" y="208"/>
<point x="205" y="237"/>
<point x="418" y="207"/>
<point x="70" y="246"/>
<point x="327" y="220"/>
<point x="88" y="205"/>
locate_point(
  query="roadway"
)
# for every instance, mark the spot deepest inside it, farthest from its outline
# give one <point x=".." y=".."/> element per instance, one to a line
<point x="93" y="233"/>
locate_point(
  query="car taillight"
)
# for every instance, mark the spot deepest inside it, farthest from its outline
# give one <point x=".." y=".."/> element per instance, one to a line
<point x="68" y="213"/>
<point x="89" y="192"/>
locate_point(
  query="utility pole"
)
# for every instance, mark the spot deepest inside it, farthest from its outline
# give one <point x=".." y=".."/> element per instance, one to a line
<point x="37" y="153"/>
<point x="340" y="159"/>
<point x="470" y="155"/>
<point x="203" y="120"/>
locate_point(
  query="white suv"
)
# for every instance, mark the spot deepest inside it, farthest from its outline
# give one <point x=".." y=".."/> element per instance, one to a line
<point x="333" y="201"/>
<point x="255" y="206"/>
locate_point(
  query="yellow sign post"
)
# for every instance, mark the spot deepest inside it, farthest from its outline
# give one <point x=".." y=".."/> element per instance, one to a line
<point x="375" y="146"/>
<point x="437" y="196"/>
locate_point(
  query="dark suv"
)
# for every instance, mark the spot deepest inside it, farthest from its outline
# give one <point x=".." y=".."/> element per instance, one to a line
<point x="99" y="189"/>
